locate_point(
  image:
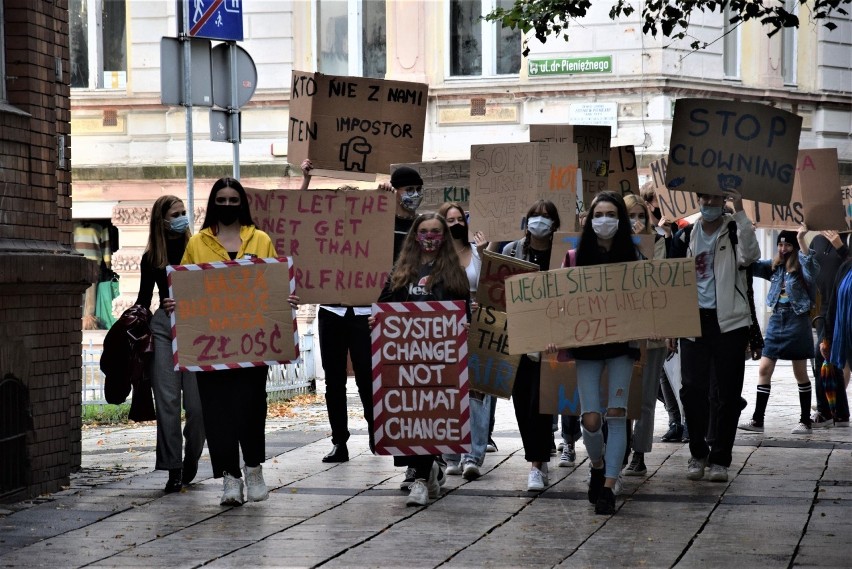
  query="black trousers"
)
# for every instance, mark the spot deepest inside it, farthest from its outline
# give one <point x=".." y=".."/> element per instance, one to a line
<point x="713" y="363"/>
<point x="535" y="427"/>
<point x="233" y="403"/>
<point x="339" y="335"/>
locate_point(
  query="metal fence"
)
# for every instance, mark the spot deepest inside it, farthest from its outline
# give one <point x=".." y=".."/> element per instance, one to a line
<point x="283" y="381"/>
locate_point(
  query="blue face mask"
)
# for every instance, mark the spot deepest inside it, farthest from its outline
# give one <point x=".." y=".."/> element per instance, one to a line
<point x="179" y="224"/>
<point x="711" y="213"/>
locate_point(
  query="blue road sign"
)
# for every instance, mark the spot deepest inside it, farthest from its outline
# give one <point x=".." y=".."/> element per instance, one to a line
<point x="216" y="19"/>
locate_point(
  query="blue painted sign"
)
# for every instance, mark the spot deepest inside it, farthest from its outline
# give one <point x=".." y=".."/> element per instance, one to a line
<point x="216" y="19"/>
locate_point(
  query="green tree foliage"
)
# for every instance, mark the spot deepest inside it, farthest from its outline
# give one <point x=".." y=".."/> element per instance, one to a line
<point x="548" y="18"/>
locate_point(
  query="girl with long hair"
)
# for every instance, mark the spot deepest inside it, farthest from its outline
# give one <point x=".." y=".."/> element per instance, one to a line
<point x="427" y="268"/>
<point x="469" y="464"/>
<point x="642" y="438"/>
<point x="233" y="400"/>
<point x="606" y="238"/>
<point x="542" y="221"/>
<point x="792" y="277"/>
<point x="168" y="235"/>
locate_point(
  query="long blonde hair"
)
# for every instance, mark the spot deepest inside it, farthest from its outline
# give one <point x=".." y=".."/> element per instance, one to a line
<point x="631" y="200"/>
<point x="156" y="247"/>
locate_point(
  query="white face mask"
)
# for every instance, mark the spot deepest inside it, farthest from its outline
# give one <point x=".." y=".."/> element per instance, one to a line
<point x="539" y="226"/>
<point x="605" y="227"/>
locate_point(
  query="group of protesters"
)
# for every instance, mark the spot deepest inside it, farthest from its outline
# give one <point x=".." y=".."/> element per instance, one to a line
<point x="436" y="257"/>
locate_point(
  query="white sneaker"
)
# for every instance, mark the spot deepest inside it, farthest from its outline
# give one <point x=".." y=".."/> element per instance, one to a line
<point x="718" y="473"/>
<point x="433" y="487"/>
<point x="256" y="490"/>
<point x="536" y="481"/>
<point x="471" y="471"/>
<point x="802" y="429"/>
<point x="419" y="494"/>
<point x="454" y="469"/>
<point x="410" y="475"/>
<point x="233" y="491"/>
<point x="695" y="468"/>
<point x="619" y="486"/>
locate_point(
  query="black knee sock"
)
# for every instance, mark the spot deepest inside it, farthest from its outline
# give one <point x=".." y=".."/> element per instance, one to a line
<point x="762" y="400"/>
<point x="805" y="402"/>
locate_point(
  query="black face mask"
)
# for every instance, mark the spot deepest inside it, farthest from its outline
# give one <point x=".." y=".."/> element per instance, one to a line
<point x="227" y="214"/>
<point x="658" y="213"/>
<point x="459" y="231"/>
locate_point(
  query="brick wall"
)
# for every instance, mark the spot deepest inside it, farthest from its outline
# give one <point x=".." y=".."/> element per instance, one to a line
<point x="41" y="278"/>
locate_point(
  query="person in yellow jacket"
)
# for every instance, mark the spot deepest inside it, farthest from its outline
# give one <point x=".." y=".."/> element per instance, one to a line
<point x="233" y="401"/>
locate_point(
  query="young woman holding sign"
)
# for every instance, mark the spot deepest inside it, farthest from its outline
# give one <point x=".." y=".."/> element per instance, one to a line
<point x="655" y="354"/>
<point x="468" y="464"/>
<point x="791" y="275"/>
<point x="167" y="239"/>
<point x="605" y="238"/>
<point x="427" y="268"/>
<point x="233" y="400"/>
<point x="542" y="221"/>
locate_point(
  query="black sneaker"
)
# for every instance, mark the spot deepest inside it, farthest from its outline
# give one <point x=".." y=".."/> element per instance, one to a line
<point x="637" y="465"/>
<point x="596" y="483"/>
<point x="605" y="506"/>
<point x="674" y="434"/>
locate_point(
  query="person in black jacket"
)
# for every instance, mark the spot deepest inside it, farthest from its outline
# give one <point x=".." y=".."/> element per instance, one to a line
<point x="167" y="239"/>
<point x="428" y="268"/>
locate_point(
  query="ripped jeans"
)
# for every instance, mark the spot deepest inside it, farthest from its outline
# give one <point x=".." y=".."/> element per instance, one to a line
<point x="619" y="371"/>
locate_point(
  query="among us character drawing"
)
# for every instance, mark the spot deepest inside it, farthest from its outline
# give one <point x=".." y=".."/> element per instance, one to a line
<point x="354" y="152"/>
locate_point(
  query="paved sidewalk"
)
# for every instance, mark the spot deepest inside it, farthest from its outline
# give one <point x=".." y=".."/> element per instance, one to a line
<point x="788" y="503"/>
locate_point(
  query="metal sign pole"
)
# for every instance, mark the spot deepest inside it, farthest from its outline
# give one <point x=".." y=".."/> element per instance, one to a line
<point x="187" y="93"/>
<point x="233" y="109"/>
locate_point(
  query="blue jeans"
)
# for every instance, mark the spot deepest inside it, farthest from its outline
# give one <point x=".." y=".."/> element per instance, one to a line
<point x="480" y="413"/>
<point x="589" y="372"/>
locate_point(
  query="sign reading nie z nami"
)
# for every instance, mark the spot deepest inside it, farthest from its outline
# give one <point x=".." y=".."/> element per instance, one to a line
<point x="601" y="304"/>
<point x="233" y="314"/>
<point x="420" y="378"/>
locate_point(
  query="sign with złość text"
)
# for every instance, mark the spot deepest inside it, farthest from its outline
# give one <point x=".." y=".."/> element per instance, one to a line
<point x="233" y="314"/>
<point x="601" y="304"/>
<point x="420" y="378"/>
<point x="506" y="179"/>
<point x="719" y="145"/>
<point x="340" y="240"/>
<point x="355" y="125"/>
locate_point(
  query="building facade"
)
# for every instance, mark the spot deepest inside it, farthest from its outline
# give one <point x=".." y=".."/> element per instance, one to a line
<point x="41" y="278"/>
<point x="129" y="148"/>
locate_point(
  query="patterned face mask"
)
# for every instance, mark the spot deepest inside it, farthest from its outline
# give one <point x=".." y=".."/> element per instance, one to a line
<point x="429" y="242"/>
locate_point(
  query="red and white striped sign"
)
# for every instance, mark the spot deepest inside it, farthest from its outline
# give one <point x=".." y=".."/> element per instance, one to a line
<point x="420" y="378"/>
<point x="233" y="314"/>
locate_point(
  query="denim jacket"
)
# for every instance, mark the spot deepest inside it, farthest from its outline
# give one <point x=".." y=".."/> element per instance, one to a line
<point x="800" y="286"/>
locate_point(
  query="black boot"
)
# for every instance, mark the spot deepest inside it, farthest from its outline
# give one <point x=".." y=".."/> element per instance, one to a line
<point x="174" y="483"/>
<point x="596" y="483"/>
<point x="339" y="453"/>
<point x="605" y="505"/>
<point x="674" y="434"/>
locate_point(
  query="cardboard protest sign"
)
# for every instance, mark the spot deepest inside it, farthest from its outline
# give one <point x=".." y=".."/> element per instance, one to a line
<point x="623" y="172"/>
<point x="492" y="367"/>
<point x="420" y="378"/>
<point x="717" y="145"/>
<point x="593" y="153"/>
<point x="818" y="178"/>
<point x="846" y="196"/>
<point x="769" y="216"/>
<point x="559" y="394"/>
<point x="341" y="240"/>
<point x="355" y="125"/>
<point x="233" y="314"/>
<point x="443" y="181"/>
<point x="600" y="304"/>
<point x="506" y="179"/>
<point x="673" y="204"/>
<point x="564" y="241"/>
<point x="495" y="268"/>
